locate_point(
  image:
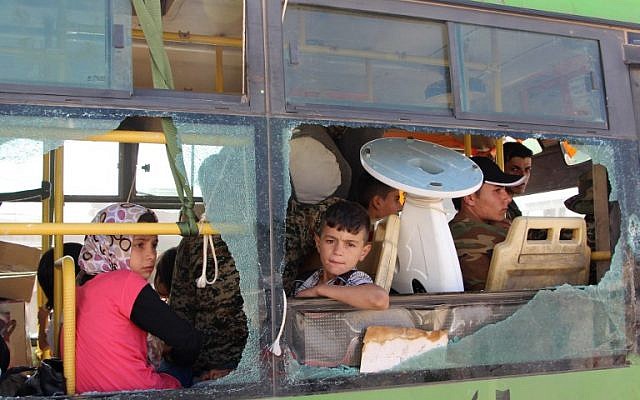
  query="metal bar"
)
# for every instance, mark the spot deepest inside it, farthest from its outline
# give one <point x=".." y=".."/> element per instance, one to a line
<point x="500" y="153"/>
<point x="601" y="256"/>
<point x="157" y="137"/>
<point x="68" y="305"/>
<point x="219" y="71"/>
<point x="58" y="207"/>
<point x="187" y="37"/>
<point x="468" y="149"/>
<point x="45" y="242"/>
<point x="67" y="228"/>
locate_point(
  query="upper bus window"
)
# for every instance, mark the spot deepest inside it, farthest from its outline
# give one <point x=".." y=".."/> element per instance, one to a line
<point x="204" y="43"/>
<point x="365" y="60"/>
<point x="529" y="77"/>
<point x="72" y="44"/>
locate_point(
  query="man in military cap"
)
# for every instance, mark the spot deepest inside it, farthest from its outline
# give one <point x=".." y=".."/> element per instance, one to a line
<point x="480" y="222"/>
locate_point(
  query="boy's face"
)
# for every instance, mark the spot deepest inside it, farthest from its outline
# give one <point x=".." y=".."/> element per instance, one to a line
<point x="143" y="254"/>
<point x="340" y="251"/>
<point x="385" y="206"/>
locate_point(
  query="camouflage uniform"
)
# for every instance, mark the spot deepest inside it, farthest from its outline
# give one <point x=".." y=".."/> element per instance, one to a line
<point x="302" y="222"/>
<point x="474" y="241"/>
<point x="216" y="310"/>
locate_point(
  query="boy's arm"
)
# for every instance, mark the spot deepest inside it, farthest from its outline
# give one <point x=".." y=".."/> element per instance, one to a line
<point x="369" y="296"/>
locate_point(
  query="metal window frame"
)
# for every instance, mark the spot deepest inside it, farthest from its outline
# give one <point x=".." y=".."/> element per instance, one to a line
<point x="456" y="70"/>
<point x="252" y="102"/>
<point x="615" y="77"/>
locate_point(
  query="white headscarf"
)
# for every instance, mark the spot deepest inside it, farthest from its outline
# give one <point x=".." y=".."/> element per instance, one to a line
<point x="104" y="253"/>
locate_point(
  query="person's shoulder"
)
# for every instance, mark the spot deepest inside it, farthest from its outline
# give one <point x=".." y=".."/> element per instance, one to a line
<point x="118" y="276"/>
<point x="462" y="226"/>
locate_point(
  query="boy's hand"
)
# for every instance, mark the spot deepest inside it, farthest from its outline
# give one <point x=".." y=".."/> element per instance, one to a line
<point x="311" y="292"/>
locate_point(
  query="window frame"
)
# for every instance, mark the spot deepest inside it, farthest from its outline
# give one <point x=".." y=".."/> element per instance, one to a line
<point x="252" y="102"/>
<point x="615" y="76"/>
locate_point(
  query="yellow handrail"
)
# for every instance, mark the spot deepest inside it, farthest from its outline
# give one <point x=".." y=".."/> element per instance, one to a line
<point x="65" y="267"/>
<point x="158" y="137"/>
<point x="187" y="37"/>
<point x="67" y="228"/>
<point x="600" y="256"/>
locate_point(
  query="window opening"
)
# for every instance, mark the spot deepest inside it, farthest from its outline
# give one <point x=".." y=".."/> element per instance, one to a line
<point x="504" y="324"/>
<point x="204" y="41"/>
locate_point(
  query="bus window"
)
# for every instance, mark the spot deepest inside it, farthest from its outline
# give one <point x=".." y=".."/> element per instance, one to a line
<point x="544" y="76"/>
<point x="488" y="327"/>
<point x="342" y="58"/>
<point x="153" y="175"/>
<point x="66" y="47"/>
<point x="204" y="43"/>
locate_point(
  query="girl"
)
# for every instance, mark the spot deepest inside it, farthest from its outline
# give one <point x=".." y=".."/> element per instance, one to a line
<point x="116" y="308"/>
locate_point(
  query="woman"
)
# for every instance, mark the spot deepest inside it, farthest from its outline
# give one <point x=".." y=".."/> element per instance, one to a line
<point x="116" y="308"/>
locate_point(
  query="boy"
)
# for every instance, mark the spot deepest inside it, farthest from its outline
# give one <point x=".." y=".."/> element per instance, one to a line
<point x="341" y="244"/>
<point x="379" y="199"/>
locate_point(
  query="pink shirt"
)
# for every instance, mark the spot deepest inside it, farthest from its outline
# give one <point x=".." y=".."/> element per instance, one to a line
<point x="111" y="351"/>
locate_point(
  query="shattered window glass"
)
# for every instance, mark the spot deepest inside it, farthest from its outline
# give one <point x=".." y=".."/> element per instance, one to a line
<point x="562" y="328"/>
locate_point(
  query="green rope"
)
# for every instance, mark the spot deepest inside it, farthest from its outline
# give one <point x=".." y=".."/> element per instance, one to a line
<point x="150" y="18"/>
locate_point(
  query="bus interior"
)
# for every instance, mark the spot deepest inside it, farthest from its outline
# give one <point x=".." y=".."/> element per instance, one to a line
<point x="470" y="85"/>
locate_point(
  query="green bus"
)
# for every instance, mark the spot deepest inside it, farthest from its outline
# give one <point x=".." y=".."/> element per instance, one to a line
<point x="240" y="78"/>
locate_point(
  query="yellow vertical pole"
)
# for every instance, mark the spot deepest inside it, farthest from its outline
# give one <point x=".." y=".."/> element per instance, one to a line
<point x="45" y="244"/>
<point x="219" y="71"/>
<point x="500" y="153"/>
<point x="467" y="145"/>
<point x="69" y="328"/>
<point x="58" y="204"/>
<point x="46" y="215"/>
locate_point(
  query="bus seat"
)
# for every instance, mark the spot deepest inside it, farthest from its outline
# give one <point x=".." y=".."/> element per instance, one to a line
<point x="559" y="254"/>
<point x="380" y="264"/>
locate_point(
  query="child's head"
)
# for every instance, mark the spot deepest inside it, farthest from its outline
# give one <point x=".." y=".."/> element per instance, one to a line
<point x="343" y="237"/>
<point x="379" y="199"/>
<point x="45" y="269"/>
<point x="164" y="272"/>
<point x="104" y="253"/>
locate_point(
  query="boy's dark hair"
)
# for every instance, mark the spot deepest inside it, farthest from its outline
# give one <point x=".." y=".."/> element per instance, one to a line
<point x="457" y="203"/>
<point x="346" y="216"/>
<point x="45" y="268"/>
<point x="370" y="187"/>
<point x="164" y="268"/>
<point x="516" y="149"/>
<point x="149" y="216"/>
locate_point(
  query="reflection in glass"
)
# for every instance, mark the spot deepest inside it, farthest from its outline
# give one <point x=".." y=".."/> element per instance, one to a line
<point x="365" y="60"/>
<point x="522" y="75"/>
<point x="73" y="43"/>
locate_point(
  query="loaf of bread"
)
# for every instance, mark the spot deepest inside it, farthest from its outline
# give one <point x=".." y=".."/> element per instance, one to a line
<point x="387" y="346"/>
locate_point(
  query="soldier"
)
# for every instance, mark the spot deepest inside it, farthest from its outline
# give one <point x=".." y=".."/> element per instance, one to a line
<point x="517" y="161"/>
<point x="480" y="223"/>
<point x="215" y="310"/>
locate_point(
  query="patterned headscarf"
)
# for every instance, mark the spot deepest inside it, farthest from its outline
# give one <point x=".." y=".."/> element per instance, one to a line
<point x="104" y="253"/>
